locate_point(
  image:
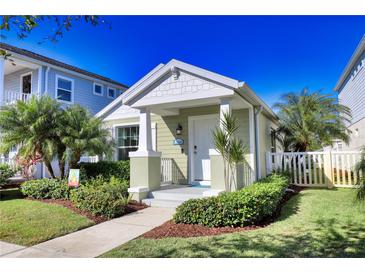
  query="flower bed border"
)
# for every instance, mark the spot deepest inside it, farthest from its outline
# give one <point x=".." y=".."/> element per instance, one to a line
<point x="131" y="207"/>
<point x="170" y="229"/>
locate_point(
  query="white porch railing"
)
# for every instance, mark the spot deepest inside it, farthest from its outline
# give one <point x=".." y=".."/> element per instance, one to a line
<point x="89" y="159"/>
<point x="323" y="169"/>
<point x="10" y="97"/>
<point x="170" y="172"/>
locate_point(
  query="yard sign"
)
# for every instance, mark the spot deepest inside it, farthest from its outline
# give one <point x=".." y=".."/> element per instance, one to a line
<point x="74" y="178"/>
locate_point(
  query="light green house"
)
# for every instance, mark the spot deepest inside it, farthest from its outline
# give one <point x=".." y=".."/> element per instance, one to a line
<point x="164" y="125"/>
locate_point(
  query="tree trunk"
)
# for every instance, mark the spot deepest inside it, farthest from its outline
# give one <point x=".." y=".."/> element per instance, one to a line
<point x="49" y="168"/>
<point x="61" y="160"/>
<point x="75" y="158"/>
<point x="62" y="166"/>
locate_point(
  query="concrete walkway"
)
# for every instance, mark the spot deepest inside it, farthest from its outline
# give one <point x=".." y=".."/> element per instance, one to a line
<point x="95" y="240"/>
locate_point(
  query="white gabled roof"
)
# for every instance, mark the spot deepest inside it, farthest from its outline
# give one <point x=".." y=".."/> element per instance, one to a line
<point x="161" y="70"/>
<point x="354" y="58"/>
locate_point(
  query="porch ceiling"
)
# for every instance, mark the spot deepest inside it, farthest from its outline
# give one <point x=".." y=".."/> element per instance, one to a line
<point x="14" y="65"/>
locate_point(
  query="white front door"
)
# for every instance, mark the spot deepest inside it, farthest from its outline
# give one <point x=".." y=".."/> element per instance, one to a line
<point x="202" y="140"/>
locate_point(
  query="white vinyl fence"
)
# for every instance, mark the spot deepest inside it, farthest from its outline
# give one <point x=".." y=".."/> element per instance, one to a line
<point x="317" y="169"/>
<point x="89" y="159"/>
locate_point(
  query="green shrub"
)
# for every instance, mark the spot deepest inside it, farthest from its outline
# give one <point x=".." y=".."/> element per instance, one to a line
<point x="106" y="169"/>
<point x="46" y="189"/>
<point x="247" y="206"/>
<point x="6" y="172"/>
<point x="100" y="197"/>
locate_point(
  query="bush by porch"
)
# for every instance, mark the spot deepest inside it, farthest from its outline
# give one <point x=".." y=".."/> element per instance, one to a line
<point x="247" y="206"/>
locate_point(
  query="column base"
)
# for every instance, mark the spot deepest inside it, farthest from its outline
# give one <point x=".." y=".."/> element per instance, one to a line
<point x="138" y="193"/>
<point x="145" y="169"/>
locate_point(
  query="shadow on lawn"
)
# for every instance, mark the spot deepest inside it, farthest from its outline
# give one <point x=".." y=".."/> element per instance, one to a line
<point x="10" y="194"/>
<point x="331" y="239"/>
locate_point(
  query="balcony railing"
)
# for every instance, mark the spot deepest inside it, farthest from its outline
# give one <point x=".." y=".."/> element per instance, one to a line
<point x="12" y="96"/>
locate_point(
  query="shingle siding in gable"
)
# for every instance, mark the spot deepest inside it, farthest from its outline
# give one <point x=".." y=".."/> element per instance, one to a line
<point x="83" y="91"/>
<point x="352" y="93"/>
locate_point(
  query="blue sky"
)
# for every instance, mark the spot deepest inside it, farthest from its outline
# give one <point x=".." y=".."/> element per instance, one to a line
<point x="273" y="54"/>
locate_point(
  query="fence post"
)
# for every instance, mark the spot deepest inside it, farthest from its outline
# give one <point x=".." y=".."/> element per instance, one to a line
<point x="328" y="169"/>
<point x="268" y="163"/>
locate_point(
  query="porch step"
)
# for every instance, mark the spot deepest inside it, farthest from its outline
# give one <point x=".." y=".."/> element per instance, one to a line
<point x="162" y="203"/>
<point x="179" y="194"/>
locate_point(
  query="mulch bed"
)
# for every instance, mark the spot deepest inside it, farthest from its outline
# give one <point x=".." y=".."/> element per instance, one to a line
<point x="131" y="207"/>
<point x="171" y="229"/>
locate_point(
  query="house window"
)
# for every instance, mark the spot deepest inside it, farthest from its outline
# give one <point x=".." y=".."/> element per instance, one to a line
<point x="98" y="89"/>
<point x="127" y="141"/>
<point x="64" y="89"/>
<point x="26" y="83"/>
<point x="273" y="140"/>
<point x="111" y="93"/>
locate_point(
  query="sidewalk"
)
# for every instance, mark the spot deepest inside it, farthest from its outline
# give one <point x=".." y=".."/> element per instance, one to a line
<point x="95" y="240"/>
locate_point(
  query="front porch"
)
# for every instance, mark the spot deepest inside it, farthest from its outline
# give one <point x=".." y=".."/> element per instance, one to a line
<point x="19" y="80"/>
<point x="165" y="121"/>
<point x="183" y="110"/>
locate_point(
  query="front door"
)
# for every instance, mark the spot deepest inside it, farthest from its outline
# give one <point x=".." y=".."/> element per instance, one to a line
<point x="26" y="83"/>
<point x="202" y="140"/>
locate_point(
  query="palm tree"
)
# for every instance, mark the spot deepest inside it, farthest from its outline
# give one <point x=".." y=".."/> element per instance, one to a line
<point x="310" y="121"/>
<point x="83" y="134"/>
<point x="360" y="168"/>
<point x="231" y="148"/>
<point x="30" y="126"/>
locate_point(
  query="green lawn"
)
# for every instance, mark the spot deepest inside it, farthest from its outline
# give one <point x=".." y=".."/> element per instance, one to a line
<point x="315" y="223"/>
<point x="26" y="222"/>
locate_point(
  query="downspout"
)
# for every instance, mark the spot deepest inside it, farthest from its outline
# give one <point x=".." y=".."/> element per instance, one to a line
<point x="257" y="111"/>
<point x="46" y="81"/>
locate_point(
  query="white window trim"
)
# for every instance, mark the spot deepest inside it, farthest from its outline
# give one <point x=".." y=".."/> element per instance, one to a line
<point x="102" y="89"/>
<point x="72" y="89"/>
<point x="21" y="81"/>
<point x="115" y="92"/>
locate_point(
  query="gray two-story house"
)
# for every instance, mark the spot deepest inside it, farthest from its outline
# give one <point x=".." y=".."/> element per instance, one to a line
<point x="351" y="89"/>
<point x="24" y="74"/>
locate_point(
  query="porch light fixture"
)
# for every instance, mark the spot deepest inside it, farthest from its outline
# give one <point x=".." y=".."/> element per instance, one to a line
<point x="179" y="129"/>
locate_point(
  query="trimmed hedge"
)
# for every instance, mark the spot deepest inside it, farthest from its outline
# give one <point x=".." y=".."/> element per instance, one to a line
<point x="244" y="207"/>
<point x="108" y="199"/>
<point x="46" y="189"/>
<point x="106" y="169"/>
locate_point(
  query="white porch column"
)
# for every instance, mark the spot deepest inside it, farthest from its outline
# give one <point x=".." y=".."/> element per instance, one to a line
<point x="145" y="135"/>
<point x="257" y="142"/>
<point x="40" y="81"/>
<point x="145" y="164"/>
<point x="224" y="107"/>
<point x="251" y="119"/>
<point x="2" y="82"/>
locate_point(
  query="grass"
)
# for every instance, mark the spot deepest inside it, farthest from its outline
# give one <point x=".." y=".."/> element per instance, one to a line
<point x="315" y="223"/>
<point x="26" y="222"/>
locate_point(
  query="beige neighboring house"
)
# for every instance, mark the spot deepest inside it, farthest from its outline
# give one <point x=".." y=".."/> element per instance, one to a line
<point x="164" y="125"/>
<point x="351" y="89"/>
